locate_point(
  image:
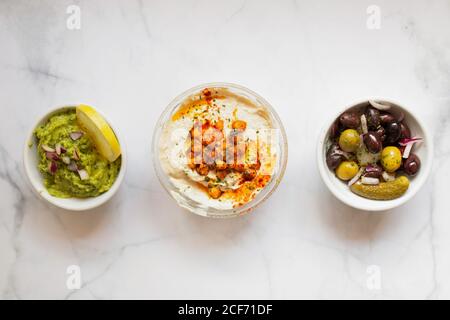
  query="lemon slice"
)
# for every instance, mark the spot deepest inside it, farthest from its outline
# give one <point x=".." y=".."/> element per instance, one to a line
<point x="99" y="130"/>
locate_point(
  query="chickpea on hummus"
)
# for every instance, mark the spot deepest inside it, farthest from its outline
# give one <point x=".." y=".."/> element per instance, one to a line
<point x="68" y="160"/>
<point x="217" y="150"/>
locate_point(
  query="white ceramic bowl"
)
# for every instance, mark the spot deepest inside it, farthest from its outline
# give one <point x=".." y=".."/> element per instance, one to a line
<point x="30" y="161"/>
<point x="424" y="150"/>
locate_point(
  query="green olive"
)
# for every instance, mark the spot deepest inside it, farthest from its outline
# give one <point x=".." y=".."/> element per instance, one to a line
<point x="347" y="170"/>
<point x="349" y="140"/>
<point x="391" y="159"/>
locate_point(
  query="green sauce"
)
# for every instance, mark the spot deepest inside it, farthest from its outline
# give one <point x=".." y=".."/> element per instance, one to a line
<point x="65" y="183"/>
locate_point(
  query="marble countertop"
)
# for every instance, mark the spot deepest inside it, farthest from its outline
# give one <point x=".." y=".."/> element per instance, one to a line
<point x="307" y="58"/>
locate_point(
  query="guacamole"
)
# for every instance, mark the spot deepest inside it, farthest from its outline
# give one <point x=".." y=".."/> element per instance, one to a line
<point x="68" y="160"/>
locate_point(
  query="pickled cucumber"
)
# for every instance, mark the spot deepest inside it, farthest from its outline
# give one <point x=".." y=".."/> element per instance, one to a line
<point x="384" y="190"/>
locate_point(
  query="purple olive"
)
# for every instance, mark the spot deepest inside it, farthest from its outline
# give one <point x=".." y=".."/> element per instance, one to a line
<point x="334" y="130"/>
<point x="373" y="171"/>
<point x="372" y="142"/>
<point x="386" y="118"/>
<point x="411" y="165"/>
<point x="334" y="157"/>
<point x="405" y="132"/>
<point x="393" y="132"/>
<point x="373" y="118"/>
<point x="350" y="119"/>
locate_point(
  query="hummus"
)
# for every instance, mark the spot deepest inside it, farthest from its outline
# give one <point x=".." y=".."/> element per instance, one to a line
<point x="217" y="150"/>
<point x="69" y="162"/>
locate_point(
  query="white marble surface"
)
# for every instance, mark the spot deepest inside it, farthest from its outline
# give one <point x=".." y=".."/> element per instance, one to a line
<point x="130" y="58"/>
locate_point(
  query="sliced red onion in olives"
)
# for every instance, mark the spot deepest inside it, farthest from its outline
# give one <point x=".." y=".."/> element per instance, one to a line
<point x="372" y="142"/>
<point x="393" y="132"/>
<point x="411" y="165"/>
<point x="350" y="119"/>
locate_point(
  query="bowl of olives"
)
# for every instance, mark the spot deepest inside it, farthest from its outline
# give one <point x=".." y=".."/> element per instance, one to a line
<point x="374" y="155"/>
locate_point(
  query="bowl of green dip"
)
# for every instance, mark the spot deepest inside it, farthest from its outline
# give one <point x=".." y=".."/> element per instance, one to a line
<point x="63" y="165"/>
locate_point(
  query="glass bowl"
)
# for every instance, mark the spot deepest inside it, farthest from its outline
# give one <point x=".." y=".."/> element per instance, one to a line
<point x="203" y="209"/>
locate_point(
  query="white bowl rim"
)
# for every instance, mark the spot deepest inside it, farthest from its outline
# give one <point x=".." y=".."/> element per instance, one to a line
<point x="85" y="203"/>
<point x="365" y="204"/>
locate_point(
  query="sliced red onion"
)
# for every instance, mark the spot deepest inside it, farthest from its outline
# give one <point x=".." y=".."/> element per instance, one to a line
<point x="66" y="160"/>
<point x="342" y="153"/>
<point x="388" y="176"/>
<point x="356" y="178"/>
<point x="401" y="117"/>
<point x="76" y="135"/>
<point x="47" y="148"/>
<point x="58" y="149"/>
<point x="83" y="174"/>
<point x="407" y="151"/>
<point x="408" y="144"/>
<point x="406" y="141"/>
<point x="76" y="154"/>
<point x="72" y="166"/>
<point x="52" y="167"/>
<point x="371" y="168"/>
<point x="370" y="181"/>
<point x="52" y="156"/>
<point x="364" y="124"/>
<point x="379" y="106"/>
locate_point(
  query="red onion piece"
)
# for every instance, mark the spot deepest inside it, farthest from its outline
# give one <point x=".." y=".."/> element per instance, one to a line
<point x="406" y="141"/>
<point x="58" y="149"/>
<point x="342" y="153"/>
<point x="47" y="148"/>
<point x="76" y="135"/>
<point x="379" y="106"/>
<point x="356" y="178"/>
<point x="371" y="168"/>
<point x="52" y="167"/>
<point x="370" y="181"/>
<point x="52" y="156"/>
<point x="388" y="176"/>
<point x="83" y="174"/>
<point x="364" y="124"/>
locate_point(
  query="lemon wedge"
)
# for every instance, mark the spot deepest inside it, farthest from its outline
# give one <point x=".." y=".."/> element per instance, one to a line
<point x="99" y="130"/>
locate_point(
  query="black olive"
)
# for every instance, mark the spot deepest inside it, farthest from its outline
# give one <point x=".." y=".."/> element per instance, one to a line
<point x="372" y="117"/>
<point x="386" y="118"/>
<point x="374" y="171"/>
<point x="372" y="142"/>
<point x="350" y="119"/>
<point x="393" y="132"/>
<point x="405" y="132"/>
<point x="334" y="158"/>
<point x="411" y="165"/>
<point x="334" y="130"/>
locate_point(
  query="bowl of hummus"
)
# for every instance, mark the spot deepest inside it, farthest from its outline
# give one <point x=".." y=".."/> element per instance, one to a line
<point x="74" y="158"/>
<point x="219" y="149"/>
